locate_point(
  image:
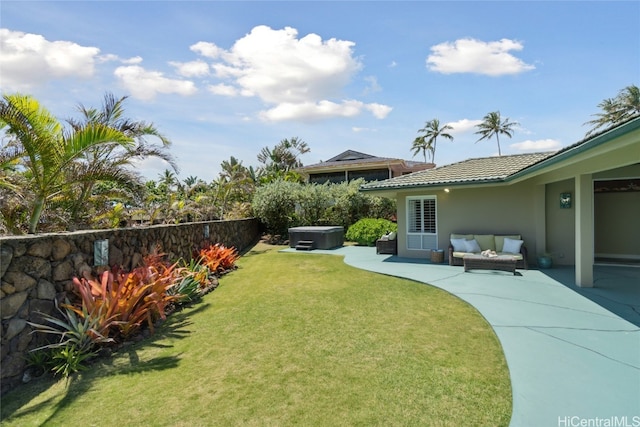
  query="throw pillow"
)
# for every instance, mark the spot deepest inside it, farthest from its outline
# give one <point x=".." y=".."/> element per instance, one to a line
<point x="458" y="245"/>
<point x="472" y="246"/>
<point x="392" y="235"/>
<point x="512" y="246"/>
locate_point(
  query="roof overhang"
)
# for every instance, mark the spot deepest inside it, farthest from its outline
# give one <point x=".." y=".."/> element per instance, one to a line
<point x="621" y="144"/>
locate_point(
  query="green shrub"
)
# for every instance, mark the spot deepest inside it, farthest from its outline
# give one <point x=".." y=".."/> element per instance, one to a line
<point x="367" y="230"/>
<point x="274" y="205"/>
<point x="312" y="203"/>
<point x="281" y="204"/>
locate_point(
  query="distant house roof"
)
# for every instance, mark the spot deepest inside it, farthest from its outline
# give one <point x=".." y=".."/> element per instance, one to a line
<point x="351" y="157"/>
<point x="498" y="169"/>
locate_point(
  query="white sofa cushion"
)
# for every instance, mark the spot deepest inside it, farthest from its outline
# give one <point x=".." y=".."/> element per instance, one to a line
<point x="512" y="246"/>
<point x="472" y="246"/>
<point x="459" y="245"/>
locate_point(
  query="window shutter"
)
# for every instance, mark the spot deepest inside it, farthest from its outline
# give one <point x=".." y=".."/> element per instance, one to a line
<point x="421" y="223"/>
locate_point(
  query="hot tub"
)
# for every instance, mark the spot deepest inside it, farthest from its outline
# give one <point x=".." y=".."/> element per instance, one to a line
<point x="323" y="237"/>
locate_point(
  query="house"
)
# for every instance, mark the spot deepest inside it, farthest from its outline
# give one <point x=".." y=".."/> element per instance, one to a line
<point x="579" y="203"/>
<point x="351" y="165"/>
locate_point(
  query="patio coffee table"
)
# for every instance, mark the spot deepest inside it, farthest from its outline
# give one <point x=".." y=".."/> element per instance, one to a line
<point x="479" y="262"/>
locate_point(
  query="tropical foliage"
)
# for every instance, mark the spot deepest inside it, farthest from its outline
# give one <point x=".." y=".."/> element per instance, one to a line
<point x="57" y="176"/>
<point x="117" y="305"/>
<point x="113" y="164"/>
<point x="79" y="338"/>
<point x="427" y="141"/>
<point x="218" y="258"/>
<point x="281" y="161"/>
<point x="617" y="110"/>
<point x="494" y="125"/>
<point x="282" y="204"/>
<point x="50" y="155"/>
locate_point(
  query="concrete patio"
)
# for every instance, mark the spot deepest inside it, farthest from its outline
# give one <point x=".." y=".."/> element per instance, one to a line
<point x="573" y="353"/>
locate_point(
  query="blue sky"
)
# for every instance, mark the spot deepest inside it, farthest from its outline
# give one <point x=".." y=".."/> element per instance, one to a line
<point x="225" y="79"/>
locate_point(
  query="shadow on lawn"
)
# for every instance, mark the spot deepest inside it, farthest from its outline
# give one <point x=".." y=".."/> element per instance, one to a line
<point x="80" y="383"/>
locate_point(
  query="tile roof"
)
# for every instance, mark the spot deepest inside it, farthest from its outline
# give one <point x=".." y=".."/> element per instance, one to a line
<point x="502" y="168"/>
<point x="351" y="157"/>
<point x="486" y="169"/>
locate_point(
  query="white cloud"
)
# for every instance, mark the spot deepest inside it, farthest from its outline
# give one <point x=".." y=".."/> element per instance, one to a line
<point x="539" y="145"/>
<point x="110" y="57"/>
<point x="297" y="77"/>
<point x="308" y="111"/>
<point x="146" y="85"/>
<point x="222" y="89"/>
<point x="475" y="56"/>
<point x="379" y="111"/>
<point x="197" y="68"/>
<point x="359" y="129"/>
<point x="29" y="59"/>
<point x="132" y="61"/>
<point x="206" y="49"/>
<point x="463" y="126"/>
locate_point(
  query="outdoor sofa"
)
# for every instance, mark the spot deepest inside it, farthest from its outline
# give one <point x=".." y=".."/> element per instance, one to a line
<point x="474" y="244"/>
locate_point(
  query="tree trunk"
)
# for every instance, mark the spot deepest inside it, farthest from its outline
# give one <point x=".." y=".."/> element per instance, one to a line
<point x="36" y="214"/>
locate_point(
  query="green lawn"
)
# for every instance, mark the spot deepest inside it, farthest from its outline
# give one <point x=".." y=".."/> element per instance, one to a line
<point x="292" y="339"/>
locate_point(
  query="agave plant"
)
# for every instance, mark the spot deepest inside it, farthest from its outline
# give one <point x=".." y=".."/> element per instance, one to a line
<point x="188" y="290"/>
<point x="79" y="337"/>
<point x="192" y="280"/>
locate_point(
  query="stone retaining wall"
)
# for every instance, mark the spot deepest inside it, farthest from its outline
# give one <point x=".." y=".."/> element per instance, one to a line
<point x="35" y="270"/>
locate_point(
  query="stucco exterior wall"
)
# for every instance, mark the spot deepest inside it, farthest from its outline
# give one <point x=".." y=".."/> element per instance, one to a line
<point x="560" y="224"/>
<point x="528" y="208"/>
<point x="479" y="210"/>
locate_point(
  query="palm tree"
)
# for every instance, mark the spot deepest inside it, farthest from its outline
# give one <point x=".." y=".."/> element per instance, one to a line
<point x="427" y="141"/>
<point x="13" y="205"/>
<point x="168" y="180"/>
<point x="492" y="124"/>
<point x="422" y="144"/>
<point x="285" y="156"/>
<point x="49" y="151"/>
<point x="616" y="110"/>
<point x="116" y="163"/>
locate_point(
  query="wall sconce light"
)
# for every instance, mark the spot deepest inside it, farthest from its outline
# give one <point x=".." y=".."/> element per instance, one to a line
<point x="565" y="200"/>
<point x="101" y="252"/>
<point x="446" y="190"/>
<point x="206" y="231"/>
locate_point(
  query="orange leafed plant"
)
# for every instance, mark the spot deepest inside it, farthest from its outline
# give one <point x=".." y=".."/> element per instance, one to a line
<point x="123" y="301"/>
<point x="218" y="258"/>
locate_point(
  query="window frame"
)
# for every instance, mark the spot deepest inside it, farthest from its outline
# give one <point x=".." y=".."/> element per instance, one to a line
<point x="428" y="239"/>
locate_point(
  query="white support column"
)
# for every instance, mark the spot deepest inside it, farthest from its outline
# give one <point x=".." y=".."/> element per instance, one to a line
<point x="584" y="230"/>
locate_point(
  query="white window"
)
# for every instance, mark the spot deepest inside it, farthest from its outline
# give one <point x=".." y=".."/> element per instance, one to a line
<point x="421" y="223"/>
